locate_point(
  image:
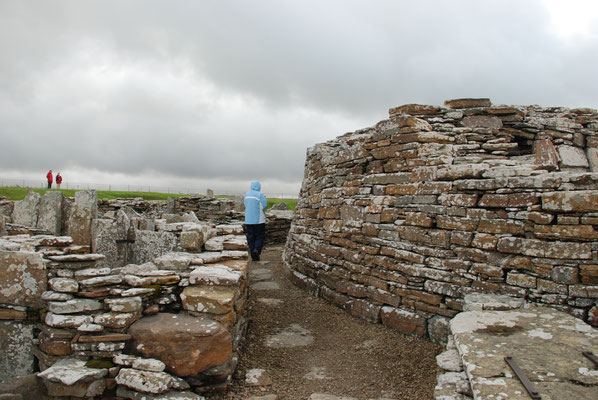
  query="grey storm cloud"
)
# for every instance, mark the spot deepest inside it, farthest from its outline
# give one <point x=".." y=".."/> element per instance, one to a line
<point x="239" y="89"/>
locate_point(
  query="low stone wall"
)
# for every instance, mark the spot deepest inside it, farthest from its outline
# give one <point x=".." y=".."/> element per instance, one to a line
<point x="397" y="223"/>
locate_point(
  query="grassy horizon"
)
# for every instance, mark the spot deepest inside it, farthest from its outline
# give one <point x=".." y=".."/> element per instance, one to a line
<point x="19" y="193"/>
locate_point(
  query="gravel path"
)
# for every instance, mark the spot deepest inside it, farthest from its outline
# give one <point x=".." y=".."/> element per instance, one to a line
<point x="305" y="346"/>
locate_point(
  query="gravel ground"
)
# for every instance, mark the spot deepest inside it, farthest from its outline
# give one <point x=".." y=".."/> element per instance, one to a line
<point x="347" y="357"/>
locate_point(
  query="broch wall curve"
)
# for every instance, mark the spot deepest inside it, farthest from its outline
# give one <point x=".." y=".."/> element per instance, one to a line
<point x="398" y="222"/>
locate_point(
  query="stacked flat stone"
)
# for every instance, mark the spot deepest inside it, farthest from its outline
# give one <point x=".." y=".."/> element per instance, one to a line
<point x="278" y="224"/>
<point x="398" y="222"/>
<point x="147" y="208"/>
<point x="90" y="307"/>
<point x="22" y="283"/>
<point x="212" y="209"/>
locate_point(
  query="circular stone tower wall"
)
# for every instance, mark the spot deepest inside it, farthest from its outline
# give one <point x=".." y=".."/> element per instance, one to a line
<point x="398" y="222"/>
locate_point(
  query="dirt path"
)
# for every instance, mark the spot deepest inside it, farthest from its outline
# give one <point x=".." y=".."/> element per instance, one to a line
<point x="305" y="346"/>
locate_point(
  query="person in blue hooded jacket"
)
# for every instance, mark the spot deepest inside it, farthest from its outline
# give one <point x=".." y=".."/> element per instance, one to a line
<point x="255" y="219"/>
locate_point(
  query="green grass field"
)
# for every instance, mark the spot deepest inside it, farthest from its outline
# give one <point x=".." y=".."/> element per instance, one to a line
<point x="19" y="193"/>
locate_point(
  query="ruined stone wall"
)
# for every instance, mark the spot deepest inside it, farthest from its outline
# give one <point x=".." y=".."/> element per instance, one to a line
<point x="165" y="314"/>
<point x="398" y="222"/>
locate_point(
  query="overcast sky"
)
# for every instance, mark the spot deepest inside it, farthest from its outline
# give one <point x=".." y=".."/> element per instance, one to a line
<point x="213" y="94"/>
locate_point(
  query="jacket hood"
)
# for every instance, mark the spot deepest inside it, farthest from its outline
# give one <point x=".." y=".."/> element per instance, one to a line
<point x="255" y="185"/>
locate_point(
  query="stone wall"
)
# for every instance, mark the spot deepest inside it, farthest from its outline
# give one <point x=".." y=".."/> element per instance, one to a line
<point x="398" y="222"/>
<point x="163" y="315"/>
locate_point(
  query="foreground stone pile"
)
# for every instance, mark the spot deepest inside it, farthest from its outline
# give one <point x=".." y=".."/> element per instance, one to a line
<point x="397" y="223"/>
<point x="546" y="344"/>
<point x="169" y="326"/>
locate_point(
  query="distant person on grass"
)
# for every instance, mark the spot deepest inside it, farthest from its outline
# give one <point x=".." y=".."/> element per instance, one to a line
<point x="255" y="219"/>
<point x="58" y="180"/>
<point x="50" y="178"/>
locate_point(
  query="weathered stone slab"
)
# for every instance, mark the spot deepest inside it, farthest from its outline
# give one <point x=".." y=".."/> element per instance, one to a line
<point x="187" y="345"/>
<point x="83" y="212"/>
<point x="72" y="371"/>
<point x="482" y="121"/>
<point x="25" y="212"/>
<point x="50" y="212"/>
<point x="572" y="157"/>
<point x="144" y="381"/>
<point x="74" y="306"/>
<point x="67" y="321"/>
<point x="23" y="279"/>
<point x="116" y="320"/>
<point x="209" y="299"/>
<point x="577" y="201"/>
<point x="105" y="233"/>
<point x="64" y="285"/>
<point x="467" y="103"/>
<point x="215" y="274"/>
<point x="16" y="349"/>
<point x="174" y="261"/>
<point x="545" y="343"/>
<point x="126" y="304"/>
<point x="491" y="302"/>
<point x="540" y="248"/>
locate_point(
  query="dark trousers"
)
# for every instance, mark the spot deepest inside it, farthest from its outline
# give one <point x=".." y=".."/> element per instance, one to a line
<point x="255" y="236"/>
<point x="49" y="184"/>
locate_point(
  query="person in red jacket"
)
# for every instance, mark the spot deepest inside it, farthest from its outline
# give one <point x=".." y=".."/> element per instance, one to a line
<point x="58" y="180"/>
<point x="50" y="178"/>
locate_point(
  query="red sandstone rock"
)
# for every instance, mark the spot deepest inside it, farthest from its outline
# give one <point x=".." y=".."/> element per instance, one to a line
<point x="187" y="345"/>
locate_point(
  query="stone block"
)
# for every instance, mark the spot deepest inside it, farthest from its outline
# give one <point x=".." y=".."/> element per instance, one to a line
<point x="539" y="248"/>
<point x="190" y="241"/>
<point x="50" y="213"/>
<point x="83" y="212"/>
<point x="438" y="329"/>
<point x="16" y="348"/>
<point x="572" y="201"/>
<point x="74" y="306"/>
<point x="150" y="245"/>
<point x="23" y="279"/>
<point x="145" y="381"/>
<point x="209" y="299"/>
<point x="25" y="212"/>
<point x="187" y="345"/>
<point x="467" y="103"/>
<point x="572" y="157"/>
<point x="404" y="321"/>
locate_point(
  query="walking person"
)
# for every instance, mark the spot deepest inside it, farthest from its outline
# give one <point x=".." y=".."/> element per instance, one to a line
<point x="255" y="219"/>
<point x="50" y="178"/>
<point x="58" y="180"/>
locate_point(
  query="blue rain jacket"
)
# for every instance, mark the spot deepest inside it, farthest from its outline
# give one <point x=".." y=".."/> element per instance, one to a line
<point x="255" y="204"/>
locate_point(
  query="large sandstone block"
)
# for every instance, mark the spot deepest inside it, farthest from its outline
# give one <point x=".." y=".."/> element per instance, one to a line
<point x="23" y="278"/>
<point x="187" y="345"/>
<point x="50" y="213"/>
<point x="25" y="212"/>
<point x="209" y="299"/>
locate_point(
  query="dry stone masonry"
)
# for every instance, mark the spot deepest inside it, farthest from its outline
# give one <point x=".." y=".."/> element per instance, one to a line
<point x="399" y="222"/>
<point x="113" y="302"/>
